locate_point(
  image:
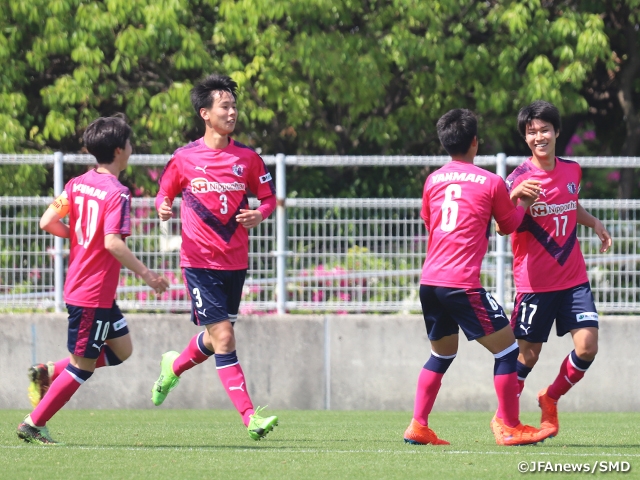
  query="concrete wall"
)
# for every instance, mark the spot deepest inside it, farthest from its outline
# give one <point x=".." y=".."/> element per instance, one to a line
<point x="343" y="362"/>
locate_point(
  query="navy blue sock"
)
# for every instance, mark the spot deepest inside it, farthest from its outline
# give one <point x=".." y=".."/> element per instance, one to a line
<point x="439" y="363"/>
<point x="80" y="375"/>
<point x="226" y="359"/>
<point x="506" y="360"/>
<point x="112" y="358"/>
<point x="522" y="370"/>
<point x="201" y="346"/>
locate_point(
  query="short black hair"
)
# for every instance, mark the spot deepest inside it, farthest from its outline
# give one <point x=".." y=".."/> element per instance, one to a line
<point x="104" y="135"/>
<point x="539" y="110"/>
<point x="201" y="94"/>
<point x="456" y="130"/>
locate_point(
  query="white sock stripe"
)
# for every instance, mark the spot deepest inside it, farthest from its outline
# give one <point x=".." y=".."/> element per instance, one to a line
<point x="569" y="381"/>
<point x="200" y="335"/>
<point x="522" y="379"/>
<point x="227" y="366"/>
<point x="506" y="351"/>
<point x="575" y="366"/>
<point x="445" y="357"/>
<point x="75" y="377"/>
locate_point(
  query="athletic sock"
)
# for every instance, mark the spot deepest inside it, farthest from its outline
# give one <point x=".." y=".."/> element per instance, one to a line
<point x="523" y="371"/>
<point x="572" y="370"/>
<point x="193" y="355"/>
<point x="60" y="391"/>
<point x="232" y="378"/>
<point x="429" y="382"/>
<point x="58" y="368"/>
<point x="107" y="358"/>
<point x="505" y="381"/>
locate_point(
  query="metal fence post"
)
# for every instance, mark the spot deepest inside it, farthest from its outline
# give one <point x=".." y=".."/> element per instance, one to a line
<point x="281" y="234"/>
<point x="501" y="169"/>
<point x="58" y="243"/>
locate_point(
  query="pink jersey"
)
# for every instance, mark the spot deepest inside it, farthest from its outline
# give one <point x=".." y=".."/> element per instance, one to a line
<point x="546" y="252"/>
<point x="458" y="202"/>
<point x="213" y="185"/>
<point x="99" y="205"/>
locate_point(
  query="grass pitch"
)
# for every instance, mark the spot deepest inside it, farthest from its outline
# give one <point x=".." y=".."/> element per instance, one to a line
<point x="204" y="444"/>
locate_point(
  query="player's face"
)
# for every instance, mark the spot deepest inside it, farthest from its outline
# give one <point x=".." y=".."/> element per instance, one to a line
<point x="122" y="155"/>
<point x="223" y="113"/>
<point x="541" y="138"/>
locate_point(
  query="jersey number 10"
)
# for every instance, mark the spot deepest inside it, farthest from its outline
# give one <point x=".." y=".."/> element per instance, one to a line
<point x="89" y="218"/>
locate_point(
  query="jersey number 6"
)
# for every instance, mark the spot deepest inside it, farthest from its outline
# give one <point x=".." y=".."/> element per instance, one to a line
<point x="450" y="207"/>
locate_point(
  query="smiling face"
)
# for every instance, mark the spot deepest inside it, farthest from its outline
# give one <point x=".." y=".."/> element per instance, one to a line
<point x="541" y="138"/>
<point x="222" y="115"/>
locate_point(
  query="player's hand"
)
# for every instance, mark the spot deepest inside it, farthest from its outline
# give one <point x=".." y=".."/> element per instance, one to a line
<point x="603" y="235"/>
<point x="164" y="211"/>
<point x="249" y="218"/>
<point x="527" y="189"/>
<point x="159" y="283"/>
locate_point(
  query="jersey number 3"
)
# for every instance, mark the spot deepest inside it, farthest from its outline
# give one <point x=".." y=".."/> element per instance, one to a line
<point x="450" y="207"/>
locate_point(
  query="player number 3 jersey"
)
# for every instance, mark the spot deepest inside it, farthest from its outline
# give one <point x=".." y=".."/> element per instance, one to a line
<point x="214" y="184"/>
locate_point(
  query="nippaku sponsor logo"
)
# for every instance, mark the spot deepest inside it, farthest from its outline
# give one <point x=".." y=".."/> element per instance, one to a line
<point x="202" y="185"/>
<point x="582" y="317"/>
<point x="541" y="209"/>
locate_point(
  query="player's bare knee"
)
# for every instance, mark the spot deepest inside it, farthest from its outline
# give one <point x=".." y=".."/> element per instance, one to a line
<point x="587" y="352"/>
<point x="531" y="356"/>
<point x="225" y="342"/>
<point x="125" y="354"/>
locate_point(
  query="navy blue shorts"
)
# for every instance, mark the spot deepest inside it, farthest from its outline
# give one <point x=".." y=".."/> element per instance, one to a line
<point x="534" y="313"/>
<point x="215" y="294"/>
<point x="90" y="328"/>
<point x="473" y="310"/>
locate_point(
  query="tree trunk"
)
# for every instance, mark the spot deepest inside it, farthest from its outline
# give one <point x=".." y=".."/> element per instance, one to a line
<point x="631" y="116"/>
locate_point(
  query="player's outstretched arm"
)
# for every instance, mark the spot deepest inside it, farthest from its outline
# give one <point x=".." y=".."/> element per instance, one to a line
<point x="115" y="245"/>
<point x="588" y="220"/>
<point x="51" y="222"/>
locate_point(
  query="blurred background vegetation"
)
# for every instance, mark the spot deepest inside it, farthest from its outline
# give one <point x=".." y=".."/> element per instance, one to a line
<point x="349" y="77"/>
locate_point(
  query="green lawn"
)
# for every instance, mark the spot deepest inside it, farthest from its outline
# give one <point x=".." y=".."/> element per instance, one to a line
<point x="207" y="444"/>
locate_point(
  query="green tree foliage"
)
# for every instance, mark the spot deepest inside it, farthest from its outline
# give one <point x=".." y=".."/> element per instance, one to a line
<point x="352" y="77"/>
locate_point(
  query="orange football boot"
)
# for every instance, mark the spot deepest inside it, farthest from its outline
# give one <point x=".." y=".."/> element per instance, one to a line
<point x="549" y="407"/>
<point x="518" y="435"/>
<point x="417" y="434"/>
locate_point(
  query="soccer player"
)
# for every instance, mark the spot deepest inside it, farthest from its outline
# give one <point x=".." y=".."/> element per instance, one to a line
<point x="548" y="267"/>
<point x="458" y="202"/>
<point x="213" y="175"/>
<point x="99" y="207"/>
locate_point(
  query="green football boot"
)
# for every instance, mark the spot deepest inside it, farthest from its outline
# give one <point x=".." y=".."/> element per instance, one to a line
<point x="167" y="380"/>
<point x="39" y="381"/>
<point x="38" y="435"/>
<point x="260" y="426"/>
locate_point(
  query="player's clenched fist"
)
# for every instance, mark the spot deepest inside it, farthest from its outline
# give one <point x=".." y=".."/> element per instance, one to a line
<point x="528" y="188"/>
<point x="164" y="211"/>
<point x="249" y="218"/>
